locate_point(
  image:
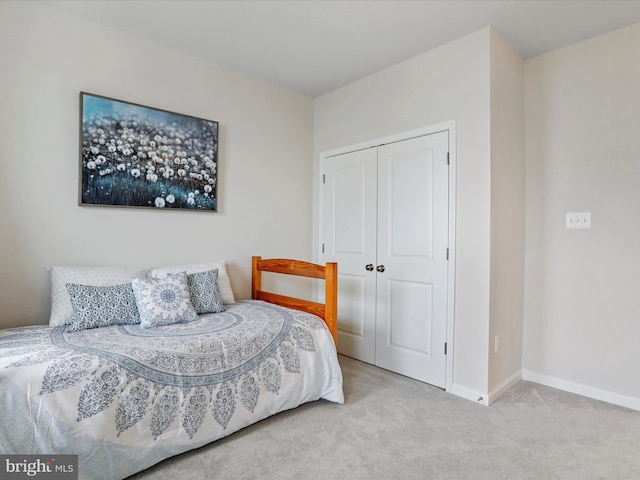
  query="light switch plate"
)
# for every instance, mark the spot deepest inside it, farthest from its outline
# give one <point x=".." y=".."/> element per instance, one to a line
<point x="579" y="220"/>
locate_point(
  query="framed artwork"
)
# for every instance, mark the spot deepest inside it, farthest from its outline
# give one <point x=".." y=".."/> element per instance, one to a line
<point x="137" y="156"/>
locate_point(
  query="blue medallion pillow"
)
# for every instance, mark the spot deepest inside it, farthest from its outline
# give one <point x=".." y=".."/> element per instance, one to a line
<point x="204" y="293"/>
<point x="163" y="301"/>
<point x="96" y="306"/>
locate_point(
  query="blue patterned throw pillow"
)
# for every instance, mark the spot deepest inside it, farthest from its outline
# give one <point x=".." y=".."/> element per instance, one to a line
<point x="163" y="301"/>
<point x="95" y="307"/>
<point x="204" y="293"/>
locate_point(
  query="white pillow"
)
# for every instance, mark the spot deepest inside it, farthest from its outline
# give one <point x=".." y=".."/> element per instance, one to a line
<point x="224" y="284"/>
<point x="163" y="301"/>
<point x="61" y="308"/>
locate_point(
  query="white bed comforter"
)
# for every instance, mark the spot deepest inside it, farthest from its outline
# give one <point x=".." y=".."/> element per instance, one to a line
<point x="124" y="398"/>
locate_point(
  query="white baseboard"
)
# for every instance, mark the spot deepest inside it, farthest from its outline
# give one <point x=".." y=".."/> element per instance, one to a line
<point x="469" y="394"/>
<point x="584" y="390"/>
<point x="504" y="386"/>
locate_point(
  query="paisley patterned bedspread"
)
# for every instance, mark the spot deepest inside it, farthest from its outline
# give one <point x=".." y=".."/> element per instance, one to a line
<point x="123" y="398"/>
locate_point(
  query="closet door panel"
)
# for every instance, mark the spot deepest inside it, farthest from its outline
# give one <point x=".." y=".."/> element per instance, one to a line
<point x="409" y="331"/>
<point x="350" y="239"/>
<point x="351" y="310"/>
<point x="412" y="249"/>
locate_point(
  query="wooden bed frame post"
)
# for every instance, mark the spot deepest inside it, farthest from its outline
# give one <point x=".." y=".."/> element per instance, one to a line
<point x="256" y="277"/>
<point x="331" y="299"/>
<point x="328" y="310"/>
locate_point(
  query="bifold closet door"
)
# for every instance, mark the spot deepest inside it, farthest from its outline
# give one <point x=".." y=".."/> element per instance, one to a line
<point x="350" y="222"/>
<point x="412" y="242"/>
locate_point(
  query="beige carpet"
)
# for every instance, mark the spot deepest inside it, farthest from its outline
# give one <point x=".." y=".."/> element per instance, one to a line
<point x="392" y="427"/>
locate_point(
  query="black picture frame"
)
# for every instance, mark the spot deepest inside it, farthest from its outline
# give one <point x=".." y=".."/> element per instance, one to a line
<point x="132" y="155"/>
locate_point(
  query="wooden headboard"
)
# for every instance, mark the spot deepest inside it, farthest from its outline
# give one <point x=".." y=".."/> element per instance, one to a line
<point x="328" y="310"/>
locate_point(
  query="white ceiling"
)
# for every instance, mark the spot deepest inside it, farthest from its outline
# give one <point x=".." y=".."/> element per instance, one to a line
<point x="315" y="46"/>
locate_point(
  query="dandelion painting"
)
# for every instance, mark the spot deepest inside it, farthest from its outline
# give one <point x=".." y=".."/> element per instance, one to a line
<point x="137" y="156"/>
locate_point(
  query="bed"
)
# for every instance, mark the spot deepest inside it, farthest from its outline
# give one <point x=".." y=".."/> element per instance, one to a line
<point x="123" y="397"/>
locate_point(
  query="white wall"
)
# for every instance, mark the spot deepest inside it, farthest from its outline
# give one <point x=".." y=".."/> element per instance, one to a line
<point x="265" y="167"/>
<point x="507" y="215"/>
<point x="448" y="83"/>
<point x="582" y="301"/>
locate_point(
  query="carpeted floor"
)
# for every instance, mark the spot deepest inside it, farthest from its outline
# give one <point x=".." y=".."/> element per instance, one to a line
<point x="392" y="427"/>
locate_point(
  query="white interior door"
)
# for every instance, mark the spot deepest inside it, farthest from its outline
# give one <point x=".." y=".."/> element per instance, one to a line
<point x="411" y="309"/>
<point x="350" y="185"/>
<point x="386" y="212"/>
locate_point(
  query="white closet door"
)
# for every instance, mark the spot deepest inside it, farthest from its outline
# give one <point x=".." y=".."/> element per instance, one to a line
<point x="412" y="239"/>
<point x="350" y="239"/>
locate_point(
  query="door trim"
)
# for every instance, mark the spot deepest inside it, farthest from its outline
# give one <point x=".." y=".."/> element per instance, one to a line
<point x="449" y="127"/>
